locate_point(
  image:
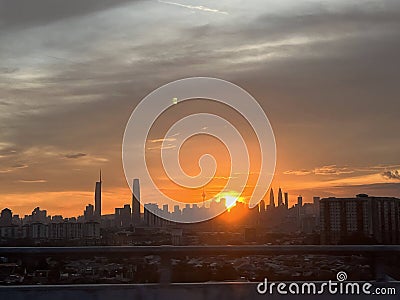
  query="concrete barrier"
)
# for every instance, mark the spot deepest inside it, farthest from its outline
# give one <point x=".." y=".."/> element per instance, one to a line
<point x="190" y="291"/>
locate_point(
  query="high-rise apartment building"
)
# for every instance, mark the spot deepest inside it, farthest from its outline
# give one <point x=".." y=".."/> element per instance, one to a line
<point x="375" y="218"/>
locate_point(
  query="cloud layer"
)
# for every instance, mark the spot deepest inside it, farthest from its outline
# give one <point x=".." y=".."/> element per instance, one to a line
<point x="325" y="72"/>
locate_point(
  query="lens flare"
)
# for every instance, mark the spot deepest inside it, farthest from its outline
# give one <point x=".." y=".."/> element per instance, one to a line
<point x="231" y="198"/>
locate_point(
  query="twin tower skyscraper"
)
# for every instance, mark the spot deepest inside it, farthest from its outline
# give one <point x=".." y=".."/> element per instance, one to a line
<point x="136" y="219"/>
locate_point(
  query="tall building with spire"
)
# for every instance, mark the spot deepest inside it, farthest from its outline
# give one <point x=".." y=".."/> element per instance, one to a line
<point x="271" y="198"/>
<point x="136" y="202"/>
<point x="280" y="197"/>
<point x="97" y="199"/>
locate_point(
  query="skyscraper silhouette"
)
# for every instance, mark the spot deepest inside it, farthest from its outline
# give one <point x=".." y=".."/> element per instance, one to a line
<point x="300" y="201"/>
<point x="280" y="198"/>
<point x="97" y="199"/>
<point x="299" y="209"/>
<point x="136" y="202"/>
<point x="262" y="206"/>
<point x="271" y="198"/>
<point x="286" y="200"/>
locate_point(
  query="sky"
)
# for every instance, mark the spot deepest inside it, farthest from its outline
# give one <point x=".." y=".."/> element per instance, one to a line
<point x="326" y="74"/>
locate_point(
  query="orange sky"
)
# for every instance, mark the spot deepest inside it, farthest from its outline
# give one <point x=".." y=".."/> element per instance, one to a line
<point x="326" y="75"/>
<point x="72" y="202"/>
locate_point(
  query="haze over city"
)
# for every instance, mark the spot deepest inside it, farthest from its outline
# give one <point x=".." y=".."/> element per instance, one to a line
<point x="326" y="75"/>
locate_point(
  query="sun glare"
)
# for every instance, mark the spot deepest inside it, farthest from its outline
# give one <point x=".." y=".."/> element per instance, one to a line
<point x="230" y="201"/>
<point x="231" y="198"/>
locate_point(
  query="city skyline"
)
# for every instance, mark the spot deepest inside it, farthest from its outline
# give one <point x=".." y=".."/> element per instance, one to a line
<point x="229" y="201"/>
<point x="137" y="208"/>
<point x="91" y="197"/>
<point x="223" y="211"/>
<point x="363" y="218"/>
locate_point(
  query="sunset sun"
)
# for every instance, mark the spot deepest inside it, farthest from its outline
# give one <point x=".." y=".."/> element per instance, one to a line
<point x="231" y="198"/>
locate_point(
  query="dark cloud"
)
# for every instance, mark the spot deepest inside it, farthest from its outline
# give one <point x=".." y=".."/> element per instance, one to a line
<point x="19" y="166"/>
<point x="327" y="78"/>
<point x="324" y="170"/>
<point x="32" y="181"/>
<point x="8" y="150"/>
<point x="320" y="20"/>
<point x="23" y="13"/>
<point x="395" y="174"/>
<point x="8" y="70"/>
<point x="376" y="189"/>
<point x="75" y="155"/>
